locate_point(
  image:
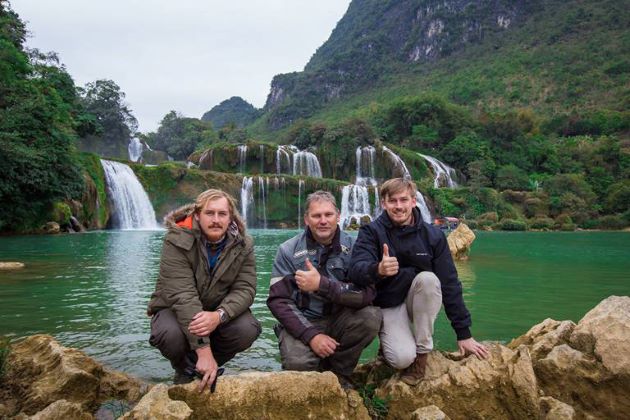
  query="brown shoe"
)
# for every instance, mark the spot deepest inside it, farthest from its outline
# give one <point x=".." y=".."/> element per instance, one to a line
<point x="415" y="372"/>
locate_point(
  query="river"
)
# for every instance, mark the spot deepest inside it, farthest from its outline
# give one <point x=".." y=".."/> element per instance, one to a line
<point x="90" y="290"/>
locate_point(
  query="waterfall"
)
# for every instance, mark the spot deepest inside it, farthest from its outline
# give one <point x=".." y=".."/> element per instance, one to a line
<point x="398" y="163"/>
<point x="424" y="209"/>
<point x="443" y="173"/>
<point x="355" y="205"/>
<point x="262" y="198"/>
<point x="262" y="159"/>
<point x="282" y="153"/>
<point x="242" y="157"/>
<point x="135" y="149"/>
<point x="300" y="190"/>
<point x="247" y="199"/>
<point x="306" y="163"/>
<point x="132" y="208"/>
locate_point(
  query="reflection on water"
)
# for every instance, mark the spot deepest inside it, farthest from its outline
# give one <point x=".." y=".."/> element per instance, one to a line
<point x="90" y="290"/>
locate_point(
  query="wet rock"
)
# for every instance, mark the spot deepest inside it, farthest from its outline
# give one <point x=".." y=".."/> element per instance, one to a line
<point x="459" y="241"/>
<point x="11" y="265"/>
<point x="430" y="412"/>
<point x="158" y="405"/>
<point x="275" y="395"/>
<point x="552" y="409"/>
<point x="51" y="228"/>
<point x="503" y="386"/>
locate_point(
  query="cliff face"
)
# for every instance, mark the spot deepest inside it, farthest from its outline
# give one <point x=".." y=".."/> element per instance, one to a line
<point x="375" y="37"/>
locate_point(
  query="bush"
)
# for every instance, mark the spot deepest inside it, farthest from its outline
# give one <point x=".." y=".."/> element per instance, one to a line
<point x="470" y="223"/>
<point x="618" y="196"/>
<point x="543" y="223"/>
<point x="512" y="225"/>
<point x="514" y="196"/>
<point x="61" y="213"/>
<point x="612" y="222"/>
<point x="511" y="177"/>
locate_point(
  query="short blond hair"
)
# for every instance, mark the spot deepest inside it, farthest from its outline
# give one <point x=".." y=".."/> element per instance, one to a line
<point x="215" y="194"/>
<point x="397" y="185"/>
<point x="320" y="195"/>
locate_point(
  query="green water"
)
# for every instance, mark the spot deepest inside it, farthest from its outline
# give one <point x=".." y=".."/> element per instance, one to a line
<point x="90" y="290"/>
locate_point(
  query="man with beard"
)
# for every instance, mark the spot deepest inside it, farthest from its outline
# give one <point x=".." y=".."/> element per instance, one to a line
<point x="207" y="282"/>
<point x="410" y="264"/>
<point x="325" y="322"/>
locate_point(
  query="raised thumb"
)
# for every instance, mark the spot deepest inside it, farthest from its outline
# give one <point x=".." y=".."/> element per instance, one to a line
<point x="309" y="266"/>
<point x="385" y="250"/>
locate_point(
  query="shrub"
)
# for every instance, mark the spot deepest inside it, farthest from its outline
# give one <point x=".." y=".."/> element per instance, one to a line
<point x="511" y="177"/>
<point x="541" y="223"/>
<point x="61" y="213"/>
<point x="618" y="196"/>
<point x="612" y="222"/>
<point x="512" y="196"/>
<point x="513" y="225"/>
<point x="470" y="223"/>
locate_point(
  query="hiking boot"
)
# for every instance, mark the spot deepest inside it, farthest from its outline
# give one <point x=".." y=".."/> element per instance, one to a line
<point x="415" y="372"/>
<point x="181" y="378"/>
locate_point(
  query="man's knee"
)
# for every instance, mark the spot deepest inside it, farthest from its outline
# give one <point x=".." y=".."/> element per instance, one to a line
<point x="301" y="361"/>
<point x="400" y="358"/>
<point x="426" y="283"/>
<point x="244" y="330"/>
<point x="167" y="336"/>
<point x="370" y="319"/>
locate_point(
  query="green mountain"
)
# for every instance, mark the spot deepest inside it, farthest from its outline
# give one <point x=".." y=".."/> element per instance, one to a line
<point x="234" y="110"/>
<point x="553" y="56"/>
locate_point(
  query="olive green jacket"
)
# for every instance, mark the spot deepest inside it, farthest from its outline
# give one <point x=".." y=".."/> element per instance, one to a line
<point x="186" y="285"/>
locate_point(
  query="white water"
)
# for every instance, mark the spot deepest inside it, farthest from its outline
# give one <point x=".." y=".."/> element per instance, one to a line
<point x="135" y="149"/>
<point x="398" y="163"/>
<point x="355" y="198"/>
<point x="300" y="191"/>
<point x="262" y="198"/>
<point x="132" y="207"/>
<point x="424" y="209"/>
<point x="443" y="173"/>
<point x="282" y="154"/>
<point x="242" y="157"/>
<point x="247" y="199"/>
<point x="298" y="162"/>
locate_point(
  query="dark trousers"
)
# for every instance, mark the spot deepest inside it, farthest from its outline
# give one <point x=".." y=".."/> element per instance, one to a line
<point x="353" y="329"/>
<point x="228" y="339"/>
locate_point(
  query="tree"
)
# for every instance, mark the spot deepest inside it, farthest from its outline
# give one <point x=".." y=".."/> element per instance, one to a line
<point x="179" y="136"/>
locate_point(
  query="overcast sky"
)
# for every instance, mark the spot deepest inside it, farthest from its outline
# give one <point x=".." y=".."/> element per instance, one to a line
<point x="183" y="55"/>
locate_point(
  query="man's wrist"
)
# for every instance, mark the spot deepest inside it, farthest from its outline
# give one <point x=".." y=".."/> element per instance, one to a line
<point x="223" y="316"/>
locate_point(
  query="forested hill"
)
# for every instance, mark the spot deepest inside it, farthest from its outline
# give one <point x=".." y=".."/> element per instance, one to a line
<point x="554" y="56"/>
<point x="235" y="111"/>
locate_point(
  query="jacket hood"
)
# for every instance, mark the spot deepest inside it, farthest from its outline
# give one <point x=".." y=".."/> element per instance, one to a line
<point x="182" y="217"/>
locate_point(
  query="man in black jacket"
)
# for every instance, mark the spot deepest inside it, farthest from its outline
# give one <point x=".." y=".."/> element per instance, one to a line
<point x="411" y="266"/>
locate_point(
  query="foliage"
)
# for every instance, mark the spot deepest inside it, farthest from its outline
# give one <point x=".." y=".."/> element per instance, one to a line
<point x="37" y="132"/>
<point x="513" y="225"/>
<point x="179" y="136"/>
<point x="618" y="197"/>
<point x="234" y="111"/>
<point x="61" y="213"/>
<point x="511" y="177"/>
<point x="377" y="407"/>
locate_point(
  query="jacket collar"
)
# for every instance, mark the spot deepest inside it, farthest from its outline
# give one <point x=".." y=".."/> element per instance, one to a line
<point x="335" y="244"/>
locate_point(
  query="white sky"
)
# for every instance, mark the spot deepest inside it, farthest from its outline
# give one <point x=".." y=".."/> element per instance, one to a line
<point x="183" y="55"/>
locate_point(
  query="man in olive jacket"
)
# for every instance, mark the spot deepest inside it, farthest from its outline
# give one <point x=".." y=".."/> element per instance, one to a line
<point x="207" y="282"/>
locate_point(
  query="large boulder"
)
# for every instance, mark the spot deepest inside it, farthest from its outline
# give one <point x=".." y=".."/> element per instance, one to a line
<point x="543" y="337"/>
<point x="460" y="241"/>
<point x="41" y="372"/>
<point x="11" y="265"/>
<point x="157" y="404"/>
<point x="503" y="386"/>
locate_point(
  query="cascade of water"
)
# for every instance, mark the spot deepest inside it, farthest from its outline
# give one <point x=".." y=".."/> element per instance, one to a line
<point x="443" y="173"/>
<point x="242" y="157"/>
<point x="132" y="208"/>
<point x="247" y="199"/>
<point x="300" y="190"/>
<point x="355" y="204"/>
<point x="135" y="149"/>
<point x="424" y="209"/>
<point x="262" y="199"/>
<point x="262" y="159"/>
<point x="306" y="163"/>
<point x="398" y="163"/>
<point x="282" y="152"/>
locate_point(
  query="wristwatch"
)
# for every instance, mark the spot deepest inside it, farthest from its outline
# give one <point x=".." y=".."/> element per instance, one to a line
<point x="223" y="317"/>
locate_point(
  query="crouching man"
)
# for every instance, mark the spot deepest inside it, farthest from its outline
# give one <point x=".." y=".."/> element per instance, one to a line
<point x="325" y="322"/>
<point x="411" y="266"/>
<point x="207" y="282"/>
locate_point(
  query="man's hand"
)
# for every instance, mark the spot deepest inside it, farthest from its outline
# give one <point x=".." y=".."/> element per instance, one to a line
<point x="207" y="366"/>
<point x="204" y="322"/>
<point x="308" y="281"/>
<point x="388" y="265"/>
<point x="471" y="346"/>
<point x="323" y="345"/>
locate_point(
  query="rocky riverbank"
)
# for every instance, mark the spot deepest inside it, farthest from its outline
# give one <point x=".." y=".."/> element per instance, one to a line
<point x="557" y="370"/>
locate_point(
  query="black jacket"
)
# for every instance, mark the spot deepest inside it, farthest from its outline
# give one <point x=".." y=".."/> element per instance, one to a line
<point x="418" y="247"/>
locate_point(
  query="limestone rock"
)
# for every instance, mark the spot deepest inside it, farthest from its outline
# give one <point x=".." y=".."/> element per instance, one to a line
<point x="503" y="386"/>
<point x="40" y="372"/>
<point x="62" y="409"/>
<point x="51" y="228"/>
<point x="275" y="395"/>
<point x="605" y="332"/>
<point x="543" y="337"/>
<point x="158" y="405"/>
<point x="11" y="265"/>
<point x="430" y="412"/>
<point x="459" y="241"/>
<point x="552" y="409"/>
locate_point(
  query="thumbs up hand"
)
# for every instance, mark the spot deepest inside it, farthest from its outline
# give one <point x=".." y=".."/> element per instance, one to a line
<point x="388" y="265"/>
<point x="308" y="280"/>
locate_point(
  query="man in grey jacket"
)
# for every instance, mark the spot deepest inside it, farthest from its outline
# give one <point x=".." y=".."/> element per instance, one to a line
<point x="325" y="322"/>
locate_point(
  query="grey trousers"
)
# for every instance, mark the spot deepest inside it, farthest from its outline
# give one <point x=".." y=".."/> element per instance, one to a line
<point x="353" y="329"/>
<point x="408" y="328"/>
<point x="228" y="339"/>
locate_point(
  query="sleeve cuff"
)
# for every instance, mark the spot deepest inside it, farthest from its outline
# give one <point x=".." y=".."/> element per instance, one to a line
<point x="309" y="334"/>
<point x="324" y="286"/>
<point x="463" y="333"/>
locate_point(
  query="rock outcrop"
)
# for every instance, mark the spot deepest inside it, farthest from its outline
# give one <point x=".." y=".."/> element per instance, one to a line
<point x="11" y="265"/>
<point x="557" y="370"/>
<point x="459" y="241"/>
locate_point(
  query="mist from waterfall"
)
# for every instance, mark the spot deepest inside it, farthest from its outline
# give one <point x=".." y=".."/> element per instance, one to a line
<point x="443" y="173"/>
<point x="132" y="208"/>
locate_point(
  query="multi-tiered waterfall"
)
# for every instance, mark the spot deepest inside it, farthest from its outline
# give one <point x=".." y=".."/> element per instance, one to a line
<point x="291" y="160"/>
<point x="355" y="198"/>
<point x="132" y="208"/>
<point x="443" y="174"/>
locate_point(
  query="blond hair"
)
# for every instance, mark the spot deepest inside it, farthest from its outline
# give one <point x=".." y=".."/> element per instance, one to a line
<point x="320" y="195"/>
<point x="397" y="185"/>
<point x="215" y="194"/>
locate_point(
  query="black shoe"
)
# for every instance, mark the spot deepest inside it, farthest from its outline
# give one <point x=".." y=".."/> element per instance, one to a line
<point x="345" y="382"/>
<point x="181" y="378"/>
